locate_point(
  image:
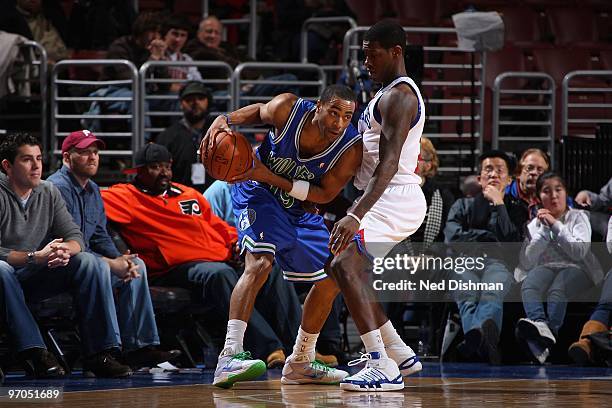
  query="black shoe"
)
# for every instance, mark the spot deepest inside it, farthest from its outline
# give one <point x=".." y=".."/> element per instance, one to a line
<point x="490" y="341"/>
<point x="150" y="357"/>
<point x="40" y="363"/>
<point x="104" y="365"/>
<point x="471" y="343"/>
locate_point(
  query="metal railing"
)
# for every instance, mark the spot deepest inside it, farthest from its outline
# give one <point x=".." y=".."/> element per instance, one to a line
<point x="145" y="96"/>
<point x="322" y="20"/>
<point x="59" y="97"/>
<point x="539" y="103"/>
<point x="601" y="108"/>
<point x="469" y="91"/>
<point x="240" y="82"/>
<point x="251" y="21"/>
<point x="39" y="76"/>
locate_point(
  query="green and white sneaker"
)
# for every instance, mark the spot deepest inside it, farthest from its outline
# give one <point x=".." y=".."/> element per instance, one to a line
<point x="301" y="370"/>
<point x="232" y="368"/>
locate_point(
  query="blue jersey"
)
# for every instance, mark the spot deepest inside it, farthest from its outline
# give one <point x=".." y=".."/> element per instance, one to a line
<point x="280" y="153"/>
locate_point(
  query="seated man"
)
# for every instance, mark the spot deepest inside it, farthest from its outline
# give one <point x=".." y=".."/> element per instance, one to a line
<point x="183" y="137"/>
<point x="183" y="243"/>
<point x="490" y="217"/>
<point x="127" y="272"/>
<point x="599" y="206"/>
<point x="34" y="268"/>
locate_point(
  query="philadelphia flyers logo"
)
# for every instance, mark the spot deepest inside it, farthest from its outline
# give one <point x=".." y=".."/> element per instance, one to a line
<point x="190" y="207"/>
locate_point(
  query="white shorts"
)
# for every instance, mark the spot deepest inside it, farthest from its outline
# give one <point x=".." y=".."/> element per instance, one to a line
<point x="397" y="214"/>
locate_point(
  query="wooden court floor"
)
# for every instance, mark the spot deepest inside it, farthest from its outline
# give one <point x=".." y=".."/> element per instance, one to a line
<point x="419" y="392"/>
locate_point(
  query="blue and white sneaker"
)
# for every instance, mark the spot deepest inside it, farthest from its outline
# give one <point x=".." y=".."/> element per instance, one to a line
<point x="232" y="368"/>
<point x="379" y="374"/>
<point x="300" y="370"/>
<point x="405" y="358"/>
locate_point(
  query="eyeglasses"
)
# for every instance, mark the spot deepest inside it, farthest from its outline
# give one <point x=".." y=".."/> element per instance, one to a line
<point x="490" y="169"/>
<point x="530" y="168"/>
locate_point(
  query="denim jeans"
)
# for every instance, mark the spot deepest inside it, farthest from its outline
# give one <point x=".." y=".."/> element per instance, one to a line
<point x="603" y="311"/>
<point x="213" y="283"/>
<point x="555" y="286"/>
<point x="90" y="288"/>
<point x="477" y="306"/>
<point x="135" y="310"/>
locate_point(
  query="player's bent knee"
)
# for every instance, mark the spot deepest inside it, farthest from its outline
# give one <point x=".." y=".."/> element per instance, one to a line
<point x="258" y="267"/>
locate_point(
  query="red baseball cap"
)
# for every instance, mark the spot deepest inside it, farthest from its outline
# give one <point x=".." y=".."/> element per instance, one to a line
<point x="81" y="139"/>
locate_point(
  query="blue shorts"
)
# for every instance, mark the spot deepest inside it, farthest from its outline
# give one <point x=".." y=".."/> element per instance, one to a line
<point x="297" y="241"/>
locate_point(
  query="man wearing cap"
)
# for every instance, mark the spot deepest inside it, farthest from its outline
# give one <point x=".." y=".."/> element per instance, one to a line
<point x="185" y="244"/>
<point x="42" y="255"/>
<point x="183" y="138"/>
<point x="127" y="272"/>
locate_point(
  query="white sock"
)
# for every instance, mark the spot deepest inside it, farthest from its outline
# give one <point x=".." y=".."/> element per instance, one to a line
<point x="373" y="342"/>
<point x="305" y="344"/>
<point x="390" y="337"/>
<point x="234" y="336"/>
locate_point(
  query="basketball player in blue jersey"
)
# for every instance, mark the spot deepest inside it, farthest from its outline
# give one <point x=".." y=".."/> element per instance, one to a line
<point x="309" y="155"/>
<point x="391" y="208"/>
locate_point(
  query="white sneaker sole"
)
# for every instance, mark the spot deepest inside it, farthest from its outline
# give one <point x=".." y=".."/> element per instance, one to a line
<point x="382" y="388"/>
<point x="412" y="370"/>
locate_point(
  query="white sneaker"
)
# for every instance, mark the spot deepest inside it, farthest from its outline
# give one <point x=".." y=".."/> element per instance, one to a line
<point x="405" y="358"/>
<point x="379" y="374"/>
<point x="539" y="353"/>
<point x="232" y="368"/>
<point x="535" y="330"/>
<point x="300" y="370"/>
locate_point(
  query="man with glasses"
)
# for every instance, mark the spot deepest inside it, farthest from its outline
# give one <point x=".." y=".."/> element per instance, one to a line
<point x="490" y="217"/>
<point x="532" y="164"/>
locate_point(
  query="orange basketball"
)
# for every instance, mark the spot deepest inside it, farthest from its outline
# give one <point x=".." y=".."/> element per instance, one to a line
<point x="231" y="154"/>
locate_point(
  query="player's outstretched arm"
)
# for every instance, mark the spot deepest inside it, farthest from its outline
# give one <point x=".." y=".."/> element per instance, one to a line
<point x="273" y="113"/>
<point x="398" y="109"/>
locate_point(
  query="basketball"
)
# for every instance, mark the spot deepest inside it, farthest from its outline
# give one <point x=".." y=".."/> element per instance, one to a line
<point x="231" y="154"/>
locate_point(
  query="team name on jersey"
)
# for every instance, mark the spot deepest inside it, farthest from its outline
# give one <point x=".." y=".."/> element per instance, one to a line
<point x="286" y="167"/>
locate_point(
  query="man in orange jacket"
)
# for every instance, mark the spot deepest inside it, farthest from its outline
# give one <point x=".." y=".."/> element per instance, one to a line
<point x="183" y="243"/>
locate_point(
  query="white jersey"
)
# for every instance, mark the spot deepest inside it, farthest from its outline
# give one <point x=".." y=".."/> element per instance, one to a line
<point x="370" y="128"/>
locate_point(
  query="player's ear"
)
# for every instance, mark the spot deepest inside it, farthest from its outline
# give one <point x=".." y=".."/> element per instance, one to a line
<point x="318" y="106"/>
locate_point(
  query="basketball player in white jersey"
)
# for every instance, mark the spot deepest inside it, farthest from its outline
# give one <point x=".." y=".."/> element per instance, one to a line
<point x="391" y="208"/>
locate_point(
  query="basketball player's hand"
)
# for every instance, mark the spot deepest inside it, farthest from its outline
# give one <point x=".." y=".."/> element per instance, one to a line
<point x="583" y="198"/>
<point x="218" y="125"/>
<point x="493" y="194"/>
<point x="342" y="234"/>
<point x="257" y="172"/>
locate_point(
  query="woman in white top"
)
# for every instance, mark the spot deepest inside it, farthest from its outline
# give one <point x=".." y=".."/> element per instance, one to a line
<point x="557" y="256"/>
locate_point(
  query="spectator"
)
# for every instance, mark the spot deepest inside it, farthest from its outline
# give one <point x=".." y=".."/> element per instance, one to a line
<point x="601" y="319"/>
<point x="219" y="197"/>
<point x="207" y="46"/>
<point x="128" y="272"/>
<point x="532" y="164"/>
<point x="175" y="31"/>
<point x="599" y="205"/>
<point x="491" y="217"/>
<point x="559" y="263"/>
<point x="470" y="187"/>
<point x="96" y="24"/>
<point x="183" y="138"/>
<point x="34" y="268"/>
<point x="183" y="243"/>
<point x="144" y="44"/>
<point x="43" y="30"/>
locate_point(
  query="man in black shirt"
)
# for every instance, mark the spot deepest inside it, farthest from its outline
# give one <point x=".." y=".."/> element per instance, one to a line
<point x="183" y="138"/>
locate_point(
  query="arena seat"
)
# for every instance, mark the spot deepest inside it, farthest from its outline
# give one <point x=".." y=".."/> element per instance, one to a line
<point x="523" y="26"/>
<point x="573" y="26"/>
